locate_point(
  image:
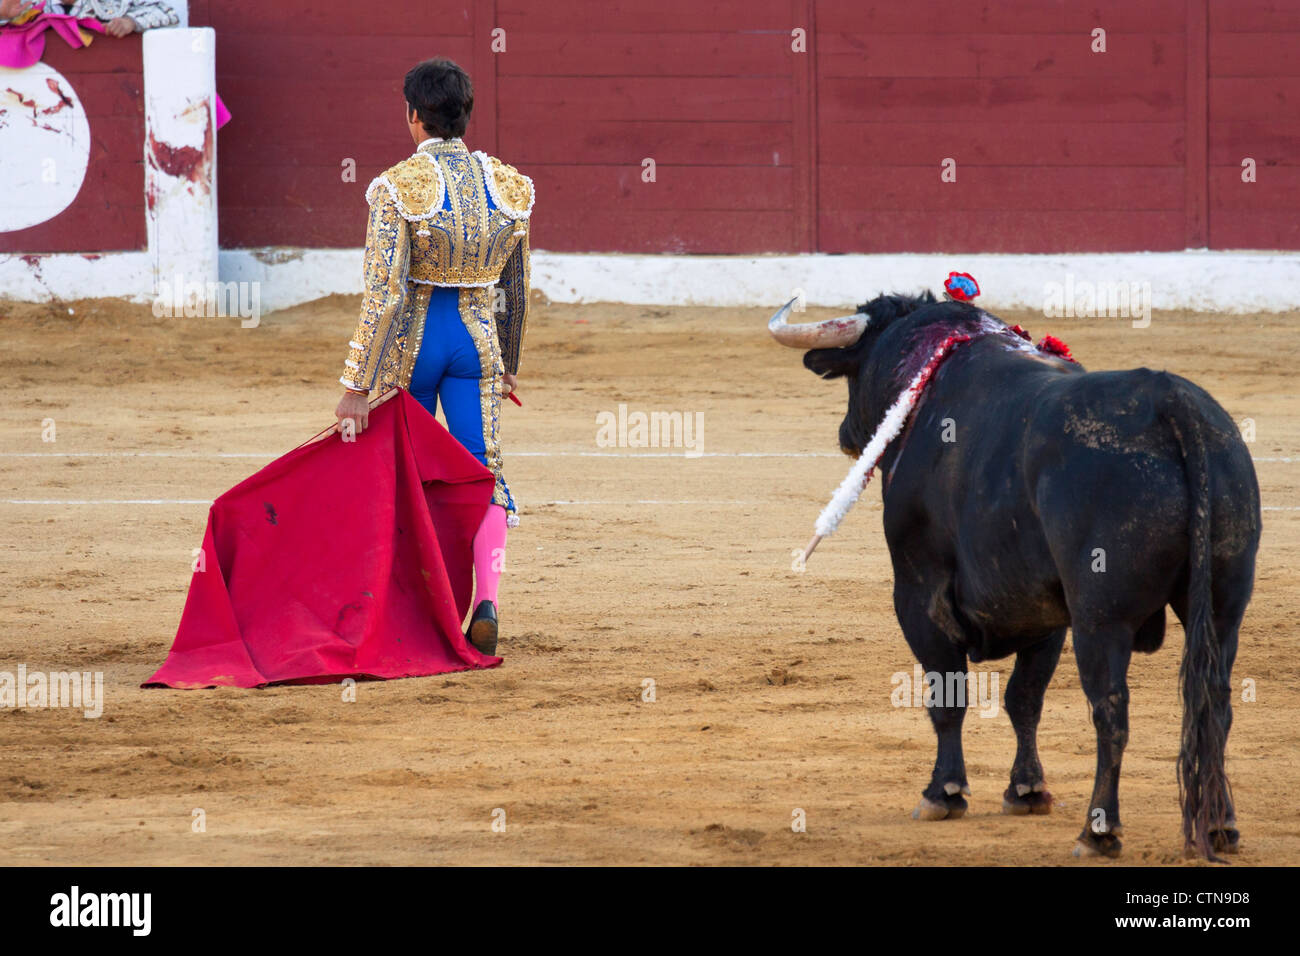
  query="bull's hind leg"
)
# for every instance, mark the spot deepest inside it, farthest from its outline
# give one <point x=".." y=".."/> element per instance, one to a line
<point x="1103" y="656"/>
<point x="1024" y="701"/>
<point x="1227" y="624"/>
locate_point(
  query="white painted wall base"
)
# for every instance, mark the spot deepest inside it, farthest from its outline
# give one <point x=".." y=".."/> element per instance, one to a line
<point x="1236" y="282"/>
<point x="45" y="278"/>
<point x="1229" y="282"/>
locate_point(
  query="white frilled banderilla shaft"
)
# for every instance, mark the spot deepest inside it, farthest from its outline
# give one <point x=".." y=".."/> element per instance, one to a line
<point x="855" y="482"/>
<point x="841" y="332"/>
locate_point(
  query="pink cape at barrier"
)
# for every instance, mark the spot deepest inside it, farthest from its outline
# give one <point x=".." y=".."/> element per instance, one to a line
<point x="21" y="44"/>
<point x="340" y="559"/>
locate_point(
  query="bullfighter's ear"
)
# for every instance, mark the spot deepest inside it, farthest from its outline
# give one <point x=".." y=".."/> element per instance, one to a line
<point x="830" y="363"/>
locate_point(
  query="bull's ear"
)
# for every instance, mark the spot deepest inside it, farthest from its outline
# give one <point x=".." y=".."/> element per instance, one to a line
<point x="830" y="363"/>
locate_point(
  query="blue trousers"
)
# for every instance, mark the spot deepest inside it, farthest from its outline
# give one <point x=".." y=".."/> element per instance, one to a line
<point x="448" y="368"/>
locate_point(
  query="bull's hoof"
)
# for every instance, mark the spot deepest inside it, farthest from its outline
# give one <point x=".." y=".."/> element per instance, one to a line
<point x="1016" y="804"/>
<point x="1225" y="841"/>
<point x="951" y="807"/>
<point x="1092" y="844"/>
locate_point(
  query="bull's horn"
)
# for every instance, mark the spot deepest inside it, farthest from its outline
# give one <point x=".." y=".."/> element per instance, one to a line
<point x="827" y="334"/>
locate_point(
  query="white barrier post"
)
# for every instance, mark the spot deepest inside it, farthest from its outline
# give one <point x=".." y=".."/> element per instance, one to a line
<point x="180" y="155"/>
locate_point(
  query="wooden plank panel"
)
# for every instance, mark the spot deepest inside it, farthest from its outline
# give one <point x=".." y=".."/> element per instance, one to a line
<point x="119" y="138"/>
<point x="961" y="17"/>
<point x="1007" y="231"/>
<point x="527" y="140"/>
<point x="104" y="55"/>
<point x="1255" y="54"/>
<point x="1047" y="189"/>
<point x="999" y="55"/>
<point x="845" y="54"/>
<point x="1257" y="99"/>
<point x="317" y="189"/>
<point x="484" y="66"/>
<point x="608" y="229"/>
<point x="1264" y="229"/>
<point x="665" y="231"/>
<point x="635" y="16"/>
<point x="588" y="54"/>
<point x="304" y="187"/>
<point x="994" y="101"/>
<point x="396" y="18"/>
<point x="1254" y="16"/>
<point x="364" y="109"/>
<point x="803" y="75"/>
<point x="1268" y="143"/>
<point x="1005" y="144"/>
<point x="334" y="58"/>
<point x="245" y="144"/>
<point x="1275" y="188"/>
<point x="686" y="188"/>
<point x="649" y="99"/>
<point x="244" y="227"/>
<point x="1196" y="204"/>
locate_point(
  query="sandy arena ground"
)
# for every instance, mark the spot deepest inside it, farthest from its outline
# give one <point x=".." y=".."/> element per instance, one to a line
<point x="772" y="688"/>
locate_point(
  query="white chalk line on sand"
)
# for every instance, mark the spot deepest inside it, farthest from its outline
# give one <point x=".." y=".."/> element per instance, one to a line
<point x="199" y="455"/>
<point x="108" y="501"/>
<point x="559" y="503"/>
<point x="514" y="454"/>
<point x="540" y="504"/>
<point x="592" y="502"/>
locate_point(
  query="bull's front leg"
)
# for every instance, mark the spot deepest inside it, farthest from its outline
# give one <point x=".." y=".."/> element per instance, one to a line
<point x="1024" y="701"/>
<point x="945" y="797"/>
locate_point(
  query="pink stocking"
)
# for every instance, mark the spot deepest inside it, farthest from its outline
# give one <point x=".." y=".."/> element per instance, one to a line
<point x="489" y="554"/>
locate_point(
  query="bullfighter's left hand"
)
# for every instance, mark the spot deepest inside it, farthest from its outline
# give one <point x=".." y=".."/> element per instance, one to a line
<point x="120" y="26"/>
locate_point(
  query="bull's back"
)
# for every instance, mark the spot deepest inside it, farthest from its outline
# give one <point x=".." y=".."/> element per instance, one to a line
<point x="1107" y="465"/>
<point x="1058" y="481"/>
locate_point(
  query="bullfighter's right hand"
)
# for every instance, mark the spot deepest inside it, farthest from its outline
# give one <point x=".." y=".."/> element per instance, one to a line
<point x="354" y="406"/>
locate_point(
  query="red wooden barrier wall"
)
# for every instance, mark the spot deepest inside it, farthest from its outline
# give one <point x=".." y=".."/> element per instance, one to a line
<point x="1056" y="148"/>
<point x="757" y="147"/>
<point x="1254" y="111"/>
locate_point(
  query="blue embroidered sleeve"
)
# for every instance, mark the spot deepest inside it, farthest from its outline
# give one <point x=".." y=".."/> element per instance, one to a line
<point x="514" y="283"/>
<point x="386" y="263"/>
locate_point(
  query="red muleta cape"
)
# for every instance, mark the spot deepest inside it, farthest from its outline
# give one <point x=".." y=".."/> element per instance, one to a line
<point x="340" y="559"/>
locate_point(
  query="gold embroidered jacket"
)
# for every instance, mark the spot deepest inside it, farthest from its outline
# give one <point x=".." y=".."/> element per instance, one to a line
<point x="413" y="243"/>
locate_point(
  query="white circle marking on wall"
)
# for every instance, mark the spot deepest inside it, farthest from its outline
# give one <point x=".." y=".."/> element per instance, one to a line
<point x="44" y="145"/>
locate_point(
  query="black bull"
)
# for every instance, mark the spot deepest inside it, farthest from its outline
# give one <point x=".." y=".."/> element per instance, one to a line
<point x="1027" y="496"/>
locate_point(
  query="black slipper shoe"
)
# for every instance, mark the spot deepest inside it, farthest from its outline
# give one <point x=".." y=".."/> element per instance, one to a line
<point x="482" y="631"/>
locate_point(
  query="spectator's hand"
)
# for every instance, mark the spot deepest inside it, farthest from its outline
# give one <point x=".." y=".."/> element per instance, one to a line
<point x="510" y="382"/>
<point x="355" y="407"/>
<point x="14" y="8"/>
<point x="120" y="26"/>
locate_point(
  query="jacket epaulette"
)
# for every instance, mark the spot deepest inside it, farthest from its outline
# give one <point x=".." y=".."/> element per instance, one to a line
<point x="415" y="185"/>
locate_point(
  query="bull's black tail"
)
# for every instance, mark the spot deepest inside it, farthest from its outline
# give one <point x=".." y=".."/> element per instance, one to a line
<point x="1206" y="687"/>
